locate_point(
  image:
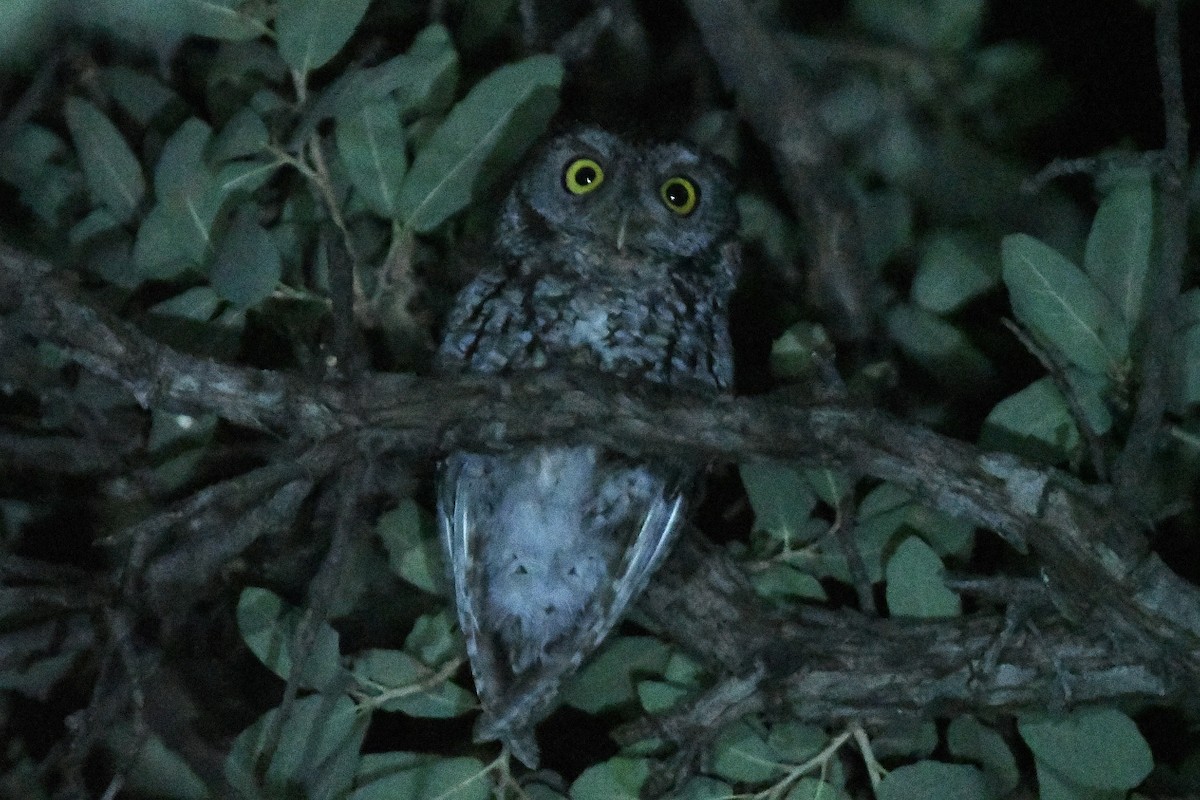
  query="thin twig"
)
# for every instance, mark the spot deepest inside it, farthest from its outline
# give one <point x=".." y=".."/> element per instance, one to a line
<point x="1092" y="165"/>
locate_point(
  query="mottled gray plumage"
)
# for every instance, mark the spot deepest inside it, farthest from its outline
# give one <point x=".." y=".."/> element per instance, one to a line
<point x="592" y="267"/>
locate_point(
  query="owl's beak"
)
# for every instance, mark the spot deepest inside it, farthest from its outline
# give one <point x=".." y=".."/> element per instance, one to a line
<point x="622" y="227"/>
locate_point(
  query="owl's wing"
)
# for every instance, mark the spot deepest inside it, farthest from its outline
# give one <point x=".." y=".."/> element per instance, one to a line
<point x="516" y="697"/>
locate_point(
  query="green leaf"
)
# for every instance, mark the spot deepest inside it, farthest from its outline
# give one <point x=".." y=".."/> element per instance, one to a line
<point x="609" y="679"/>
<point x="763" y="224"/>
<point x="795" y="742"/>
<point x="175" y="235"/>
<point x="781" y="498"/>
<point x="36" y="676"/>
<point x="683" y="670"/>
<point x="417" y="776"/>
<point x="887" y="214"/>
<point x="28" y="163"/>
<point x="1117" y="256"/>
<point x="1062" y="306"/>
<point x="245" y="135"/>
<point x="161" y="250"/>
<point x="370" y="141"/>
<point x="112" y="171"/>
<point x="142" y="96"/>
<point x="1096" y="747"/>
<point x="787" y="582"/>
<point x="231" y="20"/>
<point x="27" y="152"/>
<point x="1035" y="422"/>
<point x="742" y="754"/>
<point x="311" y="32"/>
<point x="1053" y="786"/>
<point x="484" y="133"/>
<point x="830" y="485"/>
<point x="615" y="779"/>
<point x="433" y="637"/>
<point x="398" y="681"/>
<point x="954" y="269"/>
<point x="914" y="583"/>
<point x="880" y="515"/>
<point x="420" y="81"/>
<point x="924" y="24"/>
<point x="242" y="178"/>
<point x="658" y="696"/>
<point x="413" y="552"/>
<point x="938" y="346"/>
<point x="317" y="756"/>
<point x="198" y="303"/>
<point x="948" y="536"/>
<point x="933" y="780"/>
<point x="700" y="787"/>
<point x="268" y="626"/>
<point x="794" y="353"/>
<point x="970" y="739"/>
<point x="181" y="163"/>
<point x="247" y="267"/>
<point x="156" y="770"/>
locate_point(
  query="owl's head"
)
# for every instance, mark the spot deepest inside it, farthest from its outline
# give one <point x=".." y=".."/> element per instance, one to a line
<point x="599" y="191"/>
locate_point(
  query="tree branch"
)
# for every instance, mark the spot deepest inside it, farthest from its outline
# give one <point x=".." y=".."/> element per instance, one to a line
<point x="780" y="110"/>
<point x="1158" y="353"/>
<point x="1130" y="605"/>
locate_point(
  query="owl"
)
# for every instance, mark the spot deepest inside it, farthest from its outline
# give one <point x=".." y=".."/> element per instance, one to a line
<point x="609" y="255"/>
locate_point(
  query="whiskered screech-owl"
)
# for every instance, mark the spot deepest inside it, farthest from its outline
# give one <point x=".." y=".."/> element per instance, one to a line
<point x="616" y="256"/>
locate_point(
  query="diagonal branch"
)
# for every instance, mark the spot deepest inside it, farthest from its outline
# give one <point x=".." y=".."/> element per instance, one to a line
<point x="783" y="114"/>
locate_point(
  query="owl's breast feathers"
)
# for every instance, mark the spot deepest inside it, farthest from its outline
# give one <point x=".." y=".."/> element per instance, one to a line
<point x="548" y="546"/>
<point x="672" y="329"/>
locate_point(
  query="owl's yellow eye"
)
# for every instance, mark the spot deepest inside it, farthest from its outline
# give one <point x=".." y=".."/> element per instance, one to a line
<point x="680" y="195"/>
<point x="583" y="175"/>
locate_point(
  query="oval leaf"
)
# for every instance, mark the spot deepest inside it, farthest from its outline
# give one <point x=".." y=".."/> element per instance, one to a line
<point x="609" y="679"/>
<point x="268" y="627"/>
<point x="955" y="269"/>
<point x="313" y="31"/>
<point x="317" y="753"/>
<point x="370" y="141"/>
<point x="968" y="738"/>
<point x="413" y="552"/>
<point x="1035" y="422"/>
<point x="1053" y="298"/>
<point x="112" y="171"/>
<point x="1118" y="247"/>
<point x="615" y="779"/>
<point x="938" y="346"/>
<point x="484" y="133"/>
<point x="1097" y="747"/>
<point x="232" y="20"/>
<point x="781" y="498"/>
<point x="933" y="780"/>
<point x="248" y="267"/>
<point x="914" y="583"/>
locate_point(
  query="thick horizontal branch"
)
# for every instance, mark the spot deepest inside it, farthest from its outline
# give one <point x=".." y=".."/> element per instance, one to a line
<point x="1093" y="552"/>
<point x="984" y="663"/>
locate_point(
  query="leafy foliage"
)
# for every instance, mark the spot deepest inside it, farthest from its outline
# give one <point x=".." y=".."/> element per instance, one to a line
<point x="285" y="166"/>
